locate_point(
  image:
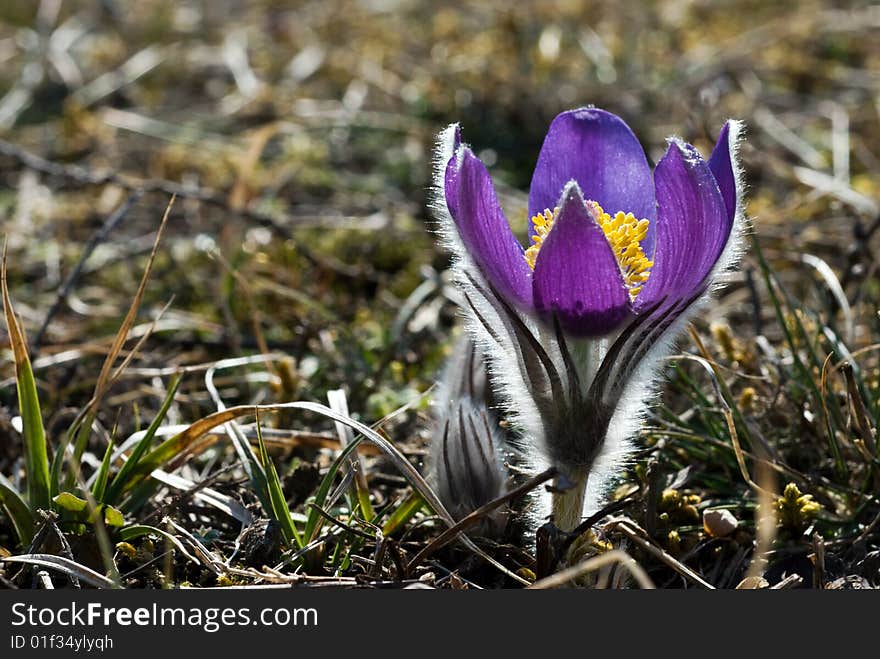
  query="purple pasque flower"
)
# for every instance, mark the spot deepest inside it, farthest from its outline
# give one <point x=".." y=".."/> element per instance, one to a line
<point x="620" y="256"/>
<point x="582" y="271"/>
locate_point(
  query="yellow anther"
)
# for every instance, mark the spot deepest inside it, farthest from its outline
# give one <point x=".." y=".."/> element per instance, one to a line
<point x="542" y="223"/>
<point x="624" y="232"/>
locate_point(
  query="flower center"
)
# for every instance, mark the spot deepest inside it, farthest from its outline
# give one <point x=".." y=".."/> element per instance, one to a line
<point x="624" y="233"/>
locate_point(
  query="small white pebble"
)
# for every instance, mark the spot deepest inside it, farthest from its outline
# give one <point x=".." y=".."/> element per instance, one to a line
<point x="719" y="523"/>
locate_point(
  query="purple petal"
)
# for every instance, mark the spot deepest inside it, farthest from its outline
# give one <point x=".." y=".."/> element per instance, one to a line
<point x="576" y="274"/>
<point x="693" y="226"/>
<point x="721" y="164"/>
<point x="456" y="136"/>
<point x="483" y="228"/>
<point x="599" y="151"/>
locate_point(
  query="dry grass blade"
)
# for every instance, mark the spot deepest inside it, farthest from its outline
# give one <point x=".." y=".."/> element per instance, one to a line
<point x="248" y="459"/>
<point x="204" y="554"/>
<point x="765" y="522"/>
<point x="104" y="377"/>
<point x="64" y="565"/>
<point x="35" y="452"/>
<point x="118" y="371"/>
<point x="180" y="442"/>
<point x="860" y="412"/>
<point x="338" y="403"/>
<point x="833" y="283"/>
<point x="615" y="556"/>
<point x="206" y="495"/>
<point x="81" y="427"/>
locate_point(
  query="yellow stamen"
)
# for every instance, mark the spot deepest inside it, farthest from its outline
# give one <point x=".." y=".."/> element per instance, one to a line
<point x="542" y="222"/>
<point x="624" y="232"/>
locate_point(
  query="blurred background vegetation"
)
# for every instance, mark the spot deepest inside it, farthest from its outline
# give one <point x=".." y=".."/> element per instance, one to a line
<point x="299" y="135"/>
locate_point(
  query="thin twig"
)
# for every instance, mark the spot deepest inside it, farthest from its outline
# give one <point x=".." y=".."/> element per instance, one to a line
<point x="631" y="530"/>
<point x="97" y="238"/>
<point x="49" y="519"/>
<point x="345" y="528"/>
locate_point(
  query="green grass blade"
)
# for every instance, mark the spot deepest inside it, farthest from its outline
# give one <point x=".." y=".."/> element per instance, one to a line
<point x="313" y="521"/>
<point x="250" y="463"/>
<point x="81" y="440"/>
<point x="280" y="510"/>
<point x="119" y="484"/>
<point x="138" y="496"/>
<point x="403" y="513"/>
<point x="18" y="511"/>
<point x="57" y="464"/>
<point x="801" y="368"/>
<point x="36" y="458"/>
<point x="99" y="487"/>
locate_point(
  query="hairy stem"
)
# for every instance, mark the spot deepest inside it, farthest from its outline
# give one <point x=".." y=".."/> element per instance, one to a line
<point x="568" y="503"/>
